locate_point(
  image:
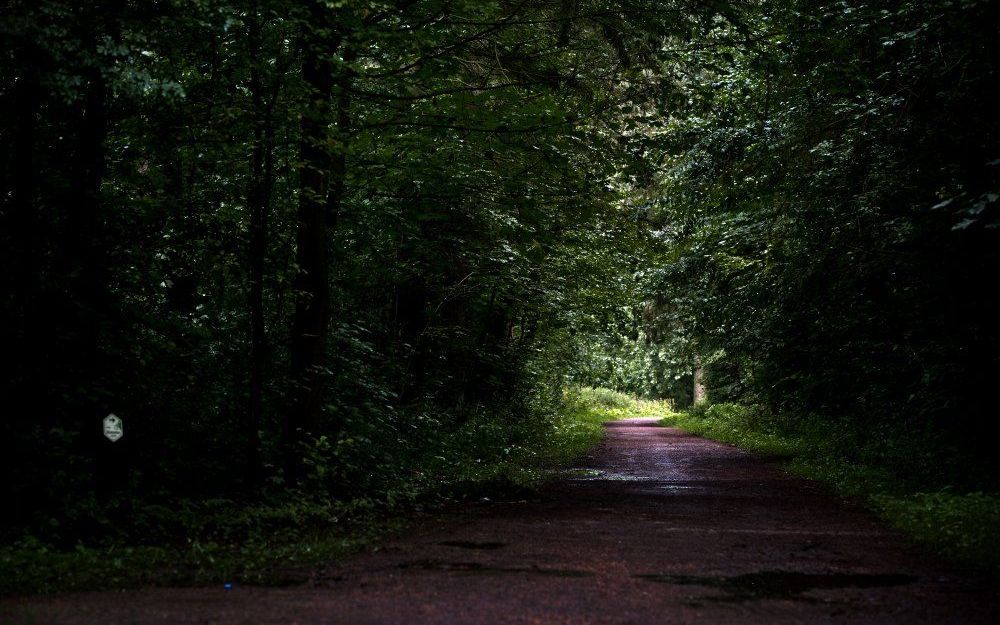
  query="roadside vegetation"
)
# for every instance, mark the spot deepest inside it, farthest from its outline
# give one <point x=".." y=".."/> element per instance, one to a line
<point x="288" y="540"/>
<point x="913" y="483"/>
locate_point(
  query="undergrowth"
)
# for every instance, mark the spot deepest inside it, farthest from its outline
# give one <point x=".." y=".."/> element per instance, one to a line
<point x="917" y="486"/>
<point x="286" y="540"/>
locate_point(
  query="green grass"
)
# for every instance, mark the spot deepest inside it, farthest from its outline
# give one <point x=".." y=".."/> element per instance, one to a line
<point x="889" y="471"/>
<point x="223" y="541"/>
<point x="958" y="525"/>
<point x="262" y="544"/>
<point x="569" y="432"/>
<point x="604" y="404"/>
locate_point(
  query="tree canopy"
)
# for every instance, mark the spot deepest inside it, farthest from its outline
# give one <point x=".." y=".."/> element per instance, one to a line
<point x="296" y="246"/>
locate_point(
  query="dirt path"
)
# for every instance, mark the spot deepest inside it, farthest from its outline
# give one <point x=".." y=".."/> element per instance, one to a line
<point x="657" y="527"/>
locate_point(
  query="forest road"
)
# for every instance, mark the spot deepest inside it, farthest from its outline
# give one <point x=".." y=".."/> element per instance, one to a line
<point x="655" y="526"/>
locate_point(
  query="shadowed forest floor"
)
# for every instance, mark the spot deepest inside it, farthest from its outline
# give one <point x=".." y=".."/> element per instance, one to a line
<point x="654" y="525"/>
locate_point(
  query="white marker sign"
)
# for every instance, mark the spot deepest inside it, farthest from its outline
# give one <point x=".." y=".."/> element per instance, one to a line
<point x="113" y="429"/>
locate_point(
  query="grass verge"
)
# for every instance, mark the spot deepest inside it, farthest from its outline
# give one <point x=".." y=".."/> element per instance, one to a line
<point x="301" y="541"/>
<point x="901" y="478"/>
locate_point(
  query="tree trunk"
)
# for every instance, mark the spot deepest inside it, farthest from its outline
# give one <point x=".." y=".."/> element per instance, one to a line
<point x="698" y="393"/>
<point x="28" y="332"/>
<point x="88" y="256"/>
<point x="26" y="336"/>
<point x="25" y="219"/>
<point x="321" y="189"/>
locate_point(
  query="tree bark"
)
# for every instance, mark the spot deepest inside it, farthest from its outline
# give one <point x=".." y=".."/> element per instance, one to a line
<point x="321" y="190"/>
<point x="698" y="393"/>
<point x="88" y="256"/>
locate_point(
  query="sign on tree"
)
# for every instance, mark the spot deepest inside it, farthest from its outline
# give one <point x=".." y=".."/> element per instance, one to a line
<point x="113" y="429"/>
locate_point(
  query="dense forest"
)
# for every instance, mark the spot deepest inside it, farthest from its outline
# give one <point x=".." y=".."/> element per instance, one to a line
<point x="320" y="250"/>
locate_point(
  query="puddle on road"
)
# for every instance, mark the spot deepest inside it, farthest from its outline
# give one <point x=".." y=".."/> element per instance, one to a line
<point x="470" y="544"/>
<point x="478" y="568"/>
<point x="779" y="584"/>
<point x="596" y="475"/>
<point x="587" y="475"/>
<point x="580" y="474"/>
<point x="678" y="487"/>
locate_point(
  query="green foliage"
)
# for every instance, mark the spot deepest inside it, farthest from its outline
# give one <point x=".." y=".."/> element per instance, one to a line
<point x="604" y="398"/>
<point x="958" y="526"/>
<point x="31" y="566"/>
<point x="353" y="251"/>
<point x="603" y="404"/>
<point x="303" y="248"/>
<point x="737" y="424"/>
<point x="218" y="541"/>
<point x="654" y="369"/>
<point x="825" y="202"/>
